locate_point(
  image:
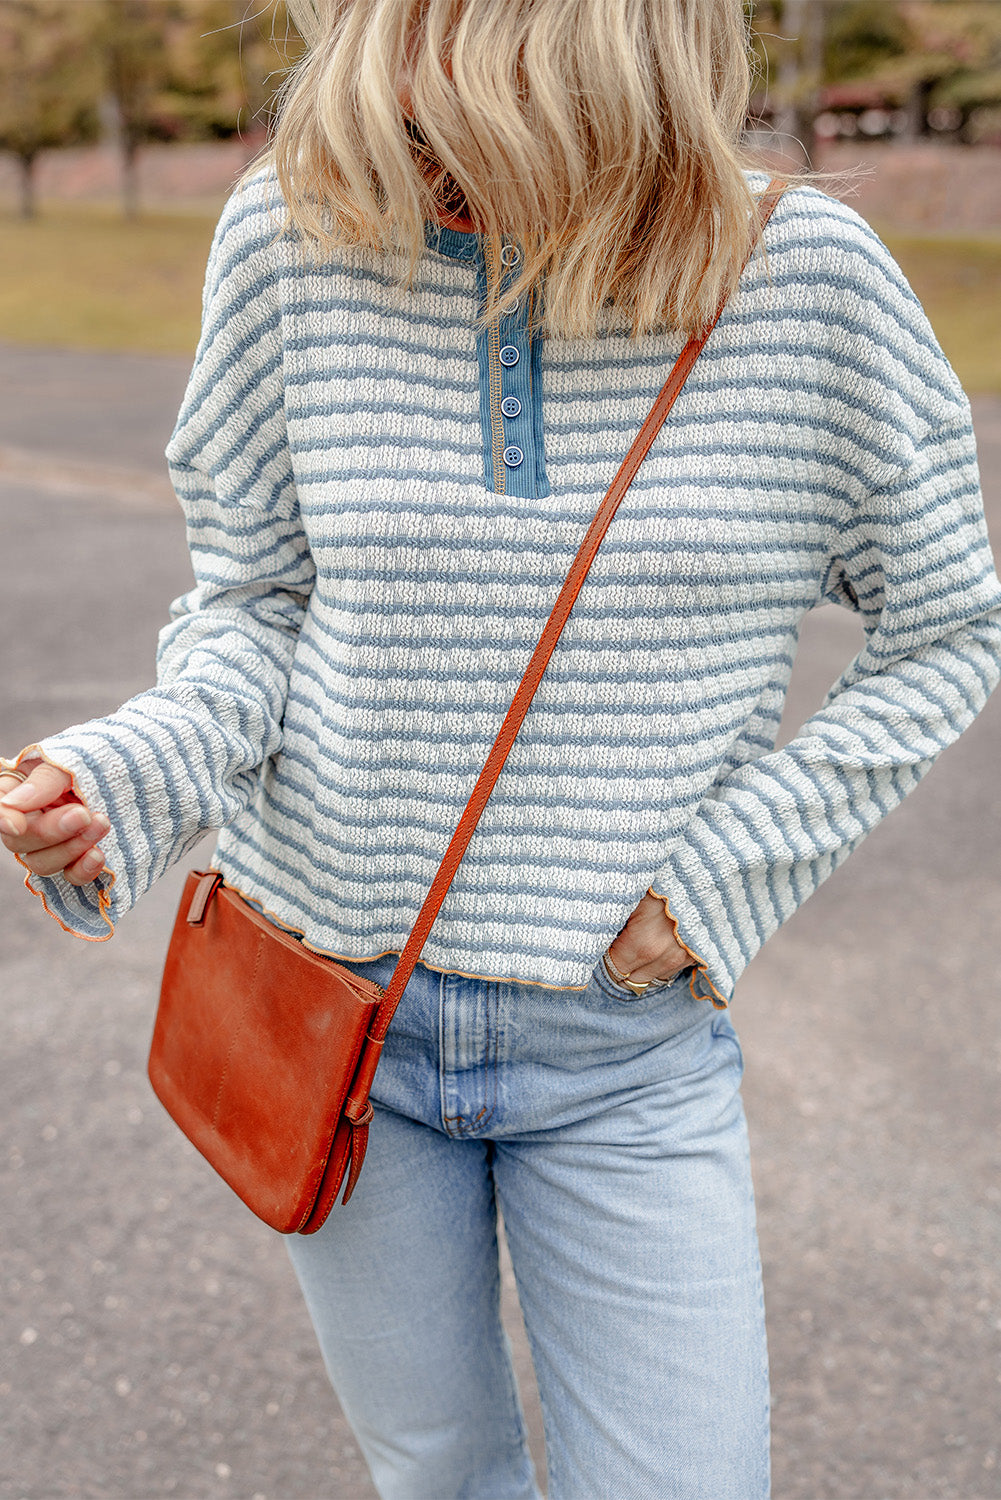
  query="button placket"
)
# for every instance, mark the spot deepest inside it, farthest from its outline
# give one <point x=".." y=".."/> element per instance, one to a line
<point x="509" y="384"/>
<point x="510" y="357"/>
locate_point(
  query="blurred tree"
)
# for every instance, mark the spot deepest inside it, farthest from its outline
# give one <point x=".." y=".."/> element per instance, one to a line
<point x="131" y="34"/>
<point x="863" y="36"/>
<point x="799" y="73"/>
<point x="49" y="82"/>
<point x="191" y="70"/>
<point x="959" y="50"/>
<point x="225" y="62"/>
<point x="915" y="55"/>
<point x="141" y="70"/>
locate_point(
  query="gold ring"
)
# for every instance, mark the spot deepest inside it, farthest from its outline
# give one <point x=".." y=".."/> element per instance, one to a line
<point x="7" y="771"/>
<point x="638" y="986"/>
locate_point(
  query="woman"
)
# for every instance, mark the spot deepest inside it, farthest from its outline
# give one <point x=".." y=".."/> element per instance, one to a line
<point x="434" y="319"/>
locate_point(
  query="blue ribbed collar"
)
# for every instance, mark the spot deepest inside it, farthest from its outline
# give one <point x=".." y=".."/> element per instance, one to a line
<point x="460" y="244"/>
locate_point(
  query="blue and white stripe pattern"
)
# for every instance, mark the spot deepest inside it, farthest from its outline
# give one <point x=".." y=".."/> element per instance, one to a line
<point x="365" y="606"/>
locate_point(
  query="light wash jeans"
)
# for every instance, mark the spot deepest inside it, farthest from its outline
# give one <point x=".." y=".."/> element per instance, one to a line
<point x="610" y="1133"/>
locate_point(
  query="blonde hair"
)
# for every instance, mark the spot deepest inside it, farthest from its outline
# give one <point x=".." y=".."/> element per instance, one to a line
<point x="601" y="136"/>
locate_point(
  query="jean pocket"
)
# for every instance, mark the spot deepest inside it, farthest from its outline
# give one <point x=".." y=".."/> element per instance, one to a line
<point x="608" y="985"/>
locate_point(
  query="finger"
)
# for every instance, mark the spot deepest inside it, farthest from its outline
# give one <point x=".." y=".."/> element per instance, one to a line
<point x="8" y="781"/>
<point x="45" y="785"/>
<point x="11" y="822"/>
<point x="53" y="826"/>
<point x="33" y="842"/>
<point x="16" y="776"/>
<point x="60" y="856"/>
<point x="86" y="869"/>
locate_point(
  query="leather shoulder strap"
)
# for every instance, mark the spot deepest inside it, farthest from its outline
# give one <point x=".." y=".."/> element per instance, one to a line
<point x="547" y="641"/>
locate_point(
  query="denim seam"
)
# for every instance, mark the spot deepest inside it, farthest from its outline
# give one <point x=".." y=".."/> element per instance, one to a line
<point x="765" y="1373"/>
<point x="446" y="1118"/>
<point x="462" y="1126"/>
<point x="490" y="1056"/>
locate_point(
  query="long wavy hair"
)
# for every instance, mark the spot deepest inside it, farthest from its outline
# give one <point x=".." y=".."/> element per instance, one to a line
<point x="602" y="136"/>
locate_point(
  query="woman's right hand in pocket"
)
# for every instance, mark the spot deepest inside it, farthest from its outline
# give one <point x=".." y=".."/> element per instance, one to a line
<point x="47" y="826"/>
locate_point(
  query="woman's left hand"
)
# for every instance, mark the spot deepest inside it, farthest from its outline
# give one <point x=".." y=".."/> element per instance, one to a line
<point x="647" y="947"/>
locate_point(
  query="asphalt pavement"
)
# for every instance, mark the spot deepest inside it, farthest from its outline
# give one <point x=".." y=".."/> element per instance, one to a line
<point x="153" y="1340"/>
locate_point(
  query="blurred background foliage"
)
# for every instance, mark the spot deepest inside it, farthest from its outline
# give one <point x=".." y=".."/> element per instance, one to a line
<point x="139" y="71"/>
<point x="135" y="78"/>
<point x="902" y="69"/>
<point x="136" y="71"/>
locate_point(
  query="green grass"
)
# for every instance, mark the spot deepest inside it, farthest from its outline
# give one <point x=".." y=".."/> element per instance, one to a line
<point x="82" y="278"/>
<point x="958" y="282"/>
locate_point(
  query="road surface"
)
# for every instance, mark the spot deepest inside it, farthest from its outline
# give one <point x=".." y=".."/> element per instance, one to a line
<point x="154" y="1343"/>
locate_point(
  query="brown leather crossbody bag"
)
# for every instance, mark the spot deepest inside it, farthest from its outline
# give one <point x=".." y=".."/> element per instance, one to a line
<point x="263" y="1052"/>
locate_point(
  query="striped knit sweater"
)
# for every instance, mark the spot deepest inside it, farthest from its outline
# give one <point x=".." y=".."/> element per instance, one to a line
<point x="376" y="549"/>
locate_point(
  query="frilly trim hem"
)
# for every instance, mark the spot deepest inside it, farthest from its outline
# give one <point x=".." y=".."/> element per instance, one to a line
<point x="32" y="752"/>
<point x="349" y="958"/>
<point x="701" y="969"/>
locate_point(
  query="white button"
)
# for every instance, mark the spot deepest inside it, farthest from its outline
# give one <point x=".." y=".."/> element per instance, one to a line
<point x="509" y="355"/>
<point x="510" y="255"/>
<point x="510" y="307"/>
<point x="511" y="406"/>
<point x="513" y="456"/>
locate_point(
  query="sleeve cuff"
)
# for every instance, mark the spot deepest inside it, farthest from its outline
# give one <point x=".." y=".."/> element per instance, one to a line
<point x="84" y="911"/>
<point x="711" y="978"/>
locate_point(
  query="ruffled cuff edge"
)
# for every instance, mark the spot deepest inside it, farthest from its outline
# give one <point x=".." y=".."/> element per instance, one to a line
<point x="59" y="883"/>
<point x="699" y="983"/>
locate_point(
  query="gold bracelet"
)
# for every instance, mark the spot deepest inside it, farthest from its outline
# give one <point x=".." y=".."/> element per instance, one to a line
<point x="638" y="986"/>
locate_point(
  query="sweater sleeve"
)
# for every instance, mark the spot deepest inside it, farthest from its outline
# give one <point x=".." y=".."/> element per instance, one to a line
<point x="911" y="555"/>
<point x="184" y="757"/>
